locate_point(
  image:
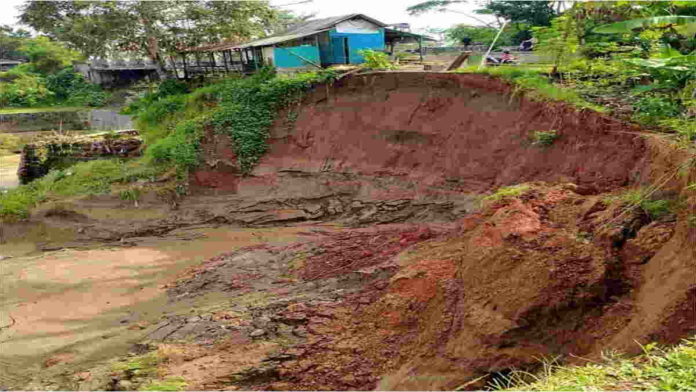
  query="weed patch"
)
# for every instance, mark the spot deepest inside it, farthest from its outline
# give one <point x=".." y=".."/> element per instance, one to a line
<point x="536" y="86"/>
<point x="507" y="191"/>
<point x="86" y="178"/>
<point x="544" y="138"/>
<point x="653" y="208"/>
<point x="656" y="369"/>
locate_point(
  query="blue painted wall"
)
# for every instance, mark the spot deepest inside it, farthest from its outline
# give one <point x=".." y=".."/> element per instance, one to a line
<point x="356" y="42"/>
<point x="285" y="59"/>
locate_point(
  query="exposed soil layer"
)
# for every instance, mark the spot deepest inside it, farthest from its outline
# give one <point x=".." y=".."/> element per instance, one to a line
<point x="550" y="272"/>
<point x="458" y="131"/>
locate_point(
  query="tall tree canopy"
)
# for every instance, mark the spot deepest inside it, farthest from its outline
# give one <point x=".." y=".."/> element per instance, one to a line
<point x="149" y="28"/>
<point x="520" y="14"/>
<point x="10" y="43"/>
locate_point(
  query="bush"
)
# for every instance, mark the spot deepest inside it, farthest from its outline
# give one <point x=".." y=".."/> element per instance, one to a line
<point x="180" y="148"/>
<point x="544" y="138"/>
<point x="653" y="208"/>
<point x="650" y="110"/>
<point x="72" y="88"/>
<point x="507" y="191"/>
<point x="24" y="90"/>
<point x="376" y="60"/>
<point x="167" y="88"/>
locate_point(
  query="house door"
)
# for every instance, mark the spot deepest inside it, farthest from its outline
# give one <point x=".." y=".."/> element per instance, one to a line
<point x="340" y="50"/>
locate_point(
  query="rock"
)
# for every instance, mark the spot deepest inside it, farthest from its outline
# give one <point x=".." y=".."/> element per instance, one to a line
<point x="5" y="257"/>
<point x="356" y="205"/>
<point x="364" y="300"/>
<point x="381" y="285"/>
<point x="125" y="385"/>
<point x="261" y="322"/>
<point x="335" y="206"/>
<point x="300" y="332"/>
<point x="257" y="332"/>
<point x="193" y="319"/>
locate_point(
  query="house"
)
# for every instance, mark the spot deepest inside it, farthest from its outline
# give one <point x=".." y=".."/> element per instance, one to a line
<point x="323" y="42"/>
<point x="6" y="64"/>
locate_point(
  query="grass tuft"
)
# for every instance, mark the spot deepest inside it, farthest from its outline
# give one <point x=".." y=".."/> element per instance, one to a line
<point x="656" y="369"/>
<point x="507" y="191"/>
<point x="536" y="86"/>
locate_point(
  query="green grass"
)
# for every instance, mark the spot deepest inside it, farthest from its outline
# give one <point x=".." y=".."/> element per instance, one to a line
<point x="167" y="384"/>
<point x="535" y="85"/>
<point x="654" y="208"/>
<point x="145" y="371"/>
<point x="242" y="108"/>
<point x="544" y="138"/>
<point x="10" y="143"/>
<point x="146" y="365"/>
<point x="656" y="369"/>
<point x="86" y="178"/>
<point x="43" y="109"/>
<point x="507" y="191"/>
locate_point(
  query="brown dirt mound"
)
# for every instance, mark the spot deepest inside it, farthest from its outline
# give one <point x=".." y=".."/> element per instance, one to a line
<point x="520" y="281"/>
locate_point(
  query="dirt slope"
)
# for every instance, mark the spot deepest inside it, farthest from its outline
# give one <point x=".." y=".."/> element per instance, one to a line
<point x="558" y="270"/>
<point x="454" y="131"/>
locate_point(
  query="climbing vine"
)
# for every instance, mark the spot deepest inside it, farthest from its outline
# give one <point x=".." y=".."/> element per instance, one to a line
<point x="248" y="108"/>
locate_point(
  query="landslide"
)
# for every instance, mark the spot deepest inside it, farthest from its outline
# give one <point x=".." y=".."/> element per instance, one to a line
<point x="456" y="290"/>
<point x="563" y="267"/>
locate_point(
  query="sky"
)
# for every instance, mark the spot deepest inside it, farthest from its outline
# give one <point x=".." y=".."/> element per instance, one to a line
<point x="387" y="11"/>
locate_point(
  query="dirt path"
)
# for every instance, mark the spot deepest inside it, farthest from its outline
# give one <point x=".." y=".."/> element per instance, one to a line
<point x="60" y="309"/>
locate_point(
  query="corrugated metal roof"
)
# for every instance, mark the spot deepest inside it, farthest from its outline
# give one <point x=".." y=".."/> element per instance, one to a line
<point x="307" y="28"/>
<point x="276" y="39"/>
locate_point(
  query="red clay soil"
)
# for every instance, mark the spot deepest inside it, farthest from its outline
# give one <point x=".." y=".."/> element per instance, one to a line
<point x="437" y="132"/>
<point x="438" y="127"/>
<point x="518" y="281"/>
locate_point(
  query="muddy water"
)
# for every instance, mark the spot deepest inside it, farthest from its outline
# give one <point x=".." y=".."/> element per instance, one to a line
<point x="59" y="310"/>
<point x="78" y="119"/>
<point x="8" y="171"/>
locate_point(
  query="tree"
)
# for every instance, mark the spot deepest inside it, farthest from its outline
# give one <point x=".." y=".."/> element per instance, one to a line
<point x="461" y="34"/>
<point x="46" y="56"/>
<point x="535" y="13"/>
<point x="10" y="42"/>
<point x="153" y="29"/>
<point x="521" y="15"/>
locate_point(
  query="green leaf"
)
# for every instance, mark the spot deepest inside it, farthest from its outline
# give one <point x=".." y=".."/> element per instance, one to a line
<point x="628" y="26"/>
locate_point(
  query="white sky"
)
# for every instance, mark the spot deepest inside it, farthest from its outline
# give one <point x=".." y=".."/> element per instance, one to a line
<point x="387" y="11"/>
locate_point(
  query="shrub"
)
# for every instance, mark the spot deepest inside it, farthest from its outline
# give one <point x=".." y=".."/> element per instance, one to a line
<point x="167" y="88"/>
<point x="24" y="90"/>
<point x="180" y="148"/>
<point x="376" y="60"/>
<point x="653" y="208"/>
<point x="70" y="87"/>
<point x="649" y="110"/>
<point x="536" y="86"/>
<point x="544" y="138"/>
